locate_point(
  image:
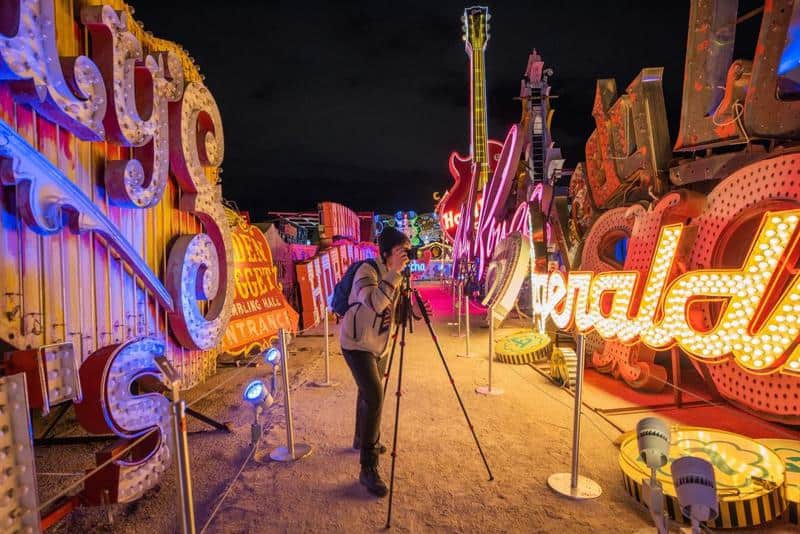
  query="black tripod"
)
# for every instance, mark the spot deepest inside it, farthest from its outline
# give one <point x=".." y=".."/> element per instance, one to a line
<point x="404" y="318"/>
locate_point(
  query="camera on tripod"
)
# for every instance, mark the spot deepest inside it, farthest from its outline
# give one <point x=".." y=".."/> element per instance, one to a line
<point x="413" y="253"/>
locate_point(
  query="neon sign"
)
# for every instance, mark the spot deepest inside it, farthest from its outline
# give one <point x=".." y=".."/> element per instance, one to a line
<point x="757" y="324"/>
<point x="416" y="267"/>
<point x="493" y="227"/>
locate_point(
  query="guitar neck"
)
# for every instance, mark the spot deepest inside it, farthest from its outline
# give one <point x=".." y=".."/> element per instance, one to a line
<point x="537" y="155"/>
<point x="478" y="148"/>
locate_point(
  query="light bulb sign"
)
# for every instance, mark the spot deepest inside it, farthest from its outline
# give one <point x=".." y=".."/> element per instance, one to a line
<point x="758" y="318"/>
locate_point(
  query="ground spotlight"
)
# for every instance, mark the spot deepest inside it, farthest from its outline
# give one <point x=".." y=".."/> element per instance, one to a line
<point x="272" y="355"/>
<point x="652" y="436"/>
<point x="255" y="392"/>
<point x="697" y="490"/>
<point x="258" y="396"/>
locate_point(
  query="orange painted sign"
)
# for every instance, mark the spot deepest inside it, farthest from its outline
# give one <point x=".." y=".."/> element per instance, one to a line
<point x="317" y="276"/>
<point x="259" y="307"/>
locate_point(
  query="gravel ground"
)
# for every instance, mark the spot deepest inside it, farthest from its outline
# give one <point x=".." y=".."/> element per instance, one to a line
<point x="441" y="484"/>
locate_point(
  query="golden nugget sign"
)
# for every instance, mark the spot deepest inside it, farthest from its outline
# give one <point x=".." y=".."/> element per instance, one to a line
<point x="259" y="307"/>
<point x="758" y="303"/>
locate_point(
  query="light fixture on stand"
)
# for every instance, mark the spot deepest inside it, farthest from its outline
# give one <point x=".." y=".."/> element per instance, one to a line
<point x="697" y="490"/>
<point x="257" y="395"/>
<point x="272" y="356"/>
<point x="652" y="436"/>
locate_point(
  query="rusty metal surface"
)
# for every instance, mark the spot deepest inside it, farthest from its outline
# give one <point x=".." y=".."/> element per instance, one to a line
<point x="628" y="153"/>
<point x="708" y="117"/>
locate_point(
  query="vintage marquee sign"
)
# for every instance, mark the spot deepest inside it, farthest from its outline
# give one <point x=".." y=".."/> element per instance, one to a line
<point x="759" y="317"/>
<point x="113" y="239"/>
<point x="260" y="307"/>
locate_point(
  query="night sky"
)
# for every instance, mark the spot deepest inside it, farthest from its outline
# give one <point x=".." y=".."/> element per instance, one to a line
<point x="362" y="102"/>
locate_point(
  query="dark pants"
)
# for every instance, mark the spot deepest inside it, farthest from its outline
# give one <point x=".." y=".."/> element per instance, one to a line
<point x="368" y="372"/>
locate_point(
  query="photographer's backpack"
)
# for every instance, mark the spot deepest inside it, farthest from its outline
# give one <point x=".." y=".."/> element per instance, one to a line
<point x="340" y="300"/>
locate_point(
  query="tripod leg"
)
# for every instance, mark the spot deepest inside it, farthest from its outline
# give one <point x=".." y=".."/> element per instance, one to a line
<point x="397" y="413"/>
<point x="389" y="366"/>
<point x="427" y="319"/>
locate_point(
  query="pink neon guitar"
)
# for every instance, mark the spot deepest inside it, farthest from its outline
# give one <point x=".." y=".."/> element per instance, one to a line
<point x="483" y="156"/>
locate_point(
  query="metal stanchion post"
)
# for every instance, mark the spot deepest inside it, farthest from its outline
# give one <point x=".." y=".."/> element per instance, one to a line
<point x="293" y="451"/>
<point x="327" y="382"/>
<point x="453" y="305"/>
<point x="571" y="484"/>
<point x="489" y="390"/>
<point x="459" y="304"/>
<point x="467" y="354"/>
<point x="181" y="444"/>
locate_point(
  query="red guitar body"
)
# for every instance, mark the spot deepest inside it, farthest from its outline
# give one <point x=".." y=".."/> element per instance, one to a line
<point x="449" y="207"/>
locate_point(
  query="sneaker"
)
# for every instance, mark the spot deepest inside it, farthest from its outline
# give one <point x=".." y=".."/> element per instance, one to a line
<point x="372" y="480"/>
<point x="380" y="446"/>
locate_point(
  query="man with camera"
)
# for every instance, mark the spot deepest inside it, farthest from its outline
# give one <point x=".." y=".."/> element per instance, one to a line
<point x="364" y="338"/>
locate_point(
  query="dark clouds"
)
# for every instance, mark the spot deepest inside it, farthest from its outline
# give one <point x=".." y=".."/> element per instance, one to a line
<point x="362" y="102"/>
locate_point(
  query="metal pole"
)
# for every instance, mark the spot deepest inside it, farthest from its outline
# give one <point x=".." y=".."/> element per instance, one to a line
<point x="327" y="382"/>
<point x="327" y="348"/>
<point x="572" y="484"/>
<point x="532" y="258"/>
<point x="491" y="346"/>
<point x="489" y="390"/>
<point x="460" y="303"/>
<point x="184" y="474"/>
<point x="466" y="322"/>
<point x="292" y="451"/>
<point x="454" y="293"/>
<point x="576" y="414"/>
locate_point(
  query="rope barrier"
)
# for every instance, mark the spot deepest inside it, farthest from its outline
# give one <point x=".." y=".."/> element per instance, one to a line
<point x="121" y="453"/>
<point x="236" y="374"/>
<point x="84" y="478"/>
<point x="228" y="489"/>
<point x="770" y="426"/>
<point x="569" y="406"/>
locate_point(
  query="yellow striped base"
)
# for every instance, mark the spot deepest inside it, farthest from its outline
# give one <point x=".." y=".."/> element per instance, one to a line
<point x="523" y="347"/>
<point x="789" y="452"/>
<point x="750" y="477"/>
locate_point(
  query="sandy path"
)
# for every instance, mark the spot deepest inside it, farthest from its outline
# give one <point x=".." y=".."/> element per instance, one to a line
<point x="441" y="484"/>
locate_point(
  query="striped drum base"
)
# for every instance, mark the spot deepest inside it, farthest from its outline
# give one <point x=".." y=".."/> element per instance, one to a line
<point x="523" y="347"/>
<point x="751" y="481"/>
<point x="789" y="452"/>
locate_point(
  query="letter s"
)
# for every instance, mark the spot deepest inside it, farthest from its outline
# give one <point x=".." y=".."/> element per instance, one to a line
<point x="109" y="406"/>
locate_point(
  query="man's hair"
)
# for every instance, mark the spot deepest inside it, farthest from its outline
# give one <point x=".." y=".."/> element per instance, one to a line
<point x="390" y="238"/>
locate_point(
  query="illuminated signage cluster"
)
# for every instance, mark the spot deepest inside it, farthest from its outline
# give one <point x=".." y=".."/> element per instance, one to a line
<point x="757" y="323"/>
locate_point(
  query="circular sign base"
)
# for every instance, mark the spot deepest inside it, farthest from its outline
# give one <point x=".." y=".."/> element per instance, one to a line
<point x="486" y="390"/>
<point x="282" y="454"/>
<point x="586" y="489"/>
<point x="523" y="347"/>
